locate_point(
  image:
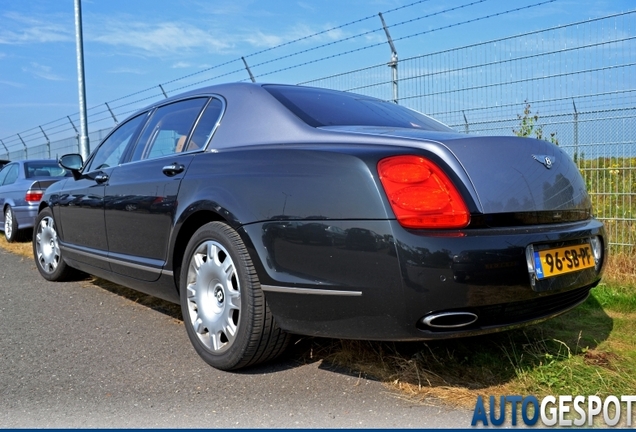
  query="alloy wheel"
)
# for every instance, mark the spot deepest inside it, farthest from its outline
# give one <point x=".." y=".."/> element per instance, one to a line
<point x="46" y="245"/>
<point x="213" y="296"/>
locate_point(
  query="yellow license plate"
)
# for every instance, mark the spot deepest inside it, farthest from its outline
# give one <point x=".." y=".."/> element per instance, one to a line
<point x="558" y="261"/>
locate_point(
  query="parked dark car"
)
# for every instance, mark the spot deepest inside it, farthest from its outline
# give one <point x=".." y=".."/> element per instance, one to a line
<point x="22" y="185"/>
<point x="267" y="210"/>
<point x="3" y="162"/>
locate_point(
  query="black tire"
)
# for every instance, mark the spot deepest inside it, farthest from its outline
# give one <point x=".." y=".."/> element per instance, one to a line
<point x="11" y="231"/>
<point x="220" y="291"/>
<point x="46" y="249"/>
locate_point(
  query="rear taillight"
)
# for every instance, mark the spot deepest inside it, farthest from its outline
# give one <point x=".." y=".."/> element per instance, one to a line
<point x="421" y="194"/>
<point x="34" y="196"/>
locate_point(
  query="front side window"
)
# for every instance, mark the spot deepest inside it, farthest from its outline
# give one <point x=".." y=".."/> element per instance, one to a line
<point x="168" y="129"/>
<point x="111" y="150"/>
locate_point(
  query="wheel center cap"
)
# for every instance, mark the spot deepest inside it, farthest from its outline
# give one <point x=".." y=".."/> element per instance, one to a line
<point x="218" y="293"/>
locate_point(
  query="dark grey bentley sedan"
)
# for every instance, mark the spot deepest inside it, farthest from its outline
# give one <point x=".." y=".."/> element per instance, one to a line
<point x="266" y="210"/>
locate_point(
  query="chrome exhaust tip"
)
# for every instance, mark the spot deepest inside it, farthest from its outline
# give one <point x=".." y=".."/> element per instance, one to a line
<point x="449" y="320"/>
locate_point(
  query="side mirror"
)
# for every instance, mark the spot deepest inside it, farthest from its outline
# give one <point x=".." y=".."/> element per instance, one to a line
<point x="72" y="162"/>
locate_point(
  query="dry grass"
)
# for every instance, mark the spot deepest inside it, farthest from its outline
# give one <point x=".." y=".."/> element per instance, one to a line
<point x="24" y="249"/>
<point x="621" y="269"/>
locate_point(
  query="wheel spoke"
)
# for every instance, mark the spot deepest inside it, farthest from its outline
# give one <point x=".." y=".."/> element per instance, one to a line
<point x="200" y="327"/>
<point x="213" y="252"/>
<point x="227" y="266"/>
<point x="215" y="339"/>
<point x="234" y="299"/>
<point x="192" y="292"/>
<point x="230" y="330"/>
<point x="198" y="261"/>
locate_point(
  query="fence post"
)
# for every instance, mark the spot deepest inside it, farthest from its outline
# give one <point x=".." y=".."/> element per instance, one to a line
<point x="576" y="134"/>
<point x="48" y="142"/>
<point x="465" y="122"/>
<point x="5" y="148"/>
<point x="248" y="69"/>
<point x="111" y="112"/>
<point x="393" y="64"/>
<point x="26" y="150"/>
<point x="79" y="150"/>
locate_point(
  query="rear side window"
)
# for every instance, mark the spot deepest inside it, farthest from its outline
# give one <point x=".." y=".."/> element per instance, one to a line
<point x="168" y="129"/>
<point x="205" y="126"/>
<point x="3" y="174"/>
<point x="45" y="169"/>
<point x="321" y="107"/>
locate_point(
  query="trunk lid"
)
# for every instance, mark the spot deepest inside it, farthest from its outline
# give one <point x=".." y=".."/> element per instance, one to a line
<point x="509" y="174"/>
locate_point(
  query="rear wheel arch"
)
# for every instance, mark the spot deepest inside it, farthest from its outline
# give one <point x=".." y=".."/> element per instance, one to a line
<point x="188" y="227"/>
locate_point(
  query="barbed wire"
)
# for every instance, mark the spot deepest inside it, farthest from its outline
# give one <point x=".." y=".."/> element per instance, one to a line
<point x="98" y="113"/>
<point x="36" y="132"/>
<point x="404" y="37"/>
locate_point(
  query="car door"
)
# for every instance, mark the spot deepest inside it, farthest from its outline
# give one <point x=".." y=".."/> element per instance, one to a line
<point x="141" y="195"/>
<point x="79" y="207"/>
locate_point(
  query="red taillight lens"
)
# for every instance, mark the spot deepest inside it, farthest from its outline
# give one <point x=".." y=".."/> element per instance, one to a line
<point x="34" y="196"/>
<point x="421" y="194"/>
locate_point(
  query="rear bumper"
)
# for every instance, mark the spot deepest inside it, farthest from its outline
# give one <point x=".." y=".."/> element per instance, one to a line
<point x="384" y="290"/>
<point x="25" y="215"/>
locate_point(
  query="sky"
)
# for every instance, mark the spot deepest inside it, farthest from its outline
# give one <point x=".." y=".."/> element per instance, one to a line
<point x="133" y="45"/>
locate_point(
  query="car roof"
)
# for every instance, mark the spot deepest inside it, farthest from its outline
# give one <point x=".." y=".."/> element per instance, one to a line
<point x="244" y="122"/>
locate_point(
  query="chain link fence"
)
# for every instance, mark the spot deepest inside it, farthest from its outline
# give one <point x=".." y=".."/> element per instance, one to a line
<point x="579" y="80"/>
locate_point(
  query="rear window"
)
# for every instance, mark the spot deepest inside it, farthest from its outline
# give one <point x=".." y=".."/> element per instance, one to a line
<point x="321" y="107"/>
<point x="45" y="169"/>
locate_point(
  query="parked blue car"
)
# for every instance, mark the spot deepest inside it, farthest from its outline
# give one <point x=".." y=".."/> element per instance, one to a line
<point x="22" y="184"/>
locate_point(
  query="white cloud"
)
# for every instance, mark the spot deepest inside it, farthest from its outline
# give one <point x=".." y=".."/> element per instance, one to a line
<point x="11" y="84"/>
<point x="42" y="71"/>
<point x="127" y="70"/>
<point x="181" y="65"/>
<point x="262" y="40"/>
<point x="307" y="6"/>
<point x="305" y="33"/>
<point x="19" y="29"/>
<point x="160" y="39"/>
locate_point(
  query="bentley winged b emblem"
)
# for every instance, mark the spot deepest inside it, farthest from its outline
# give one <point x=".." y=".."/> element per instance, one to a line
<point x="546" y="160"/>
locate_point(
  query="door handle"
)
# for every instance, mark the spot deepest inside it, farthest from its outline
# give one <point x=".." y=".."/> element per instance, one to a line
<point x="101" y="178"/>
<point x="173" y="169"/>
